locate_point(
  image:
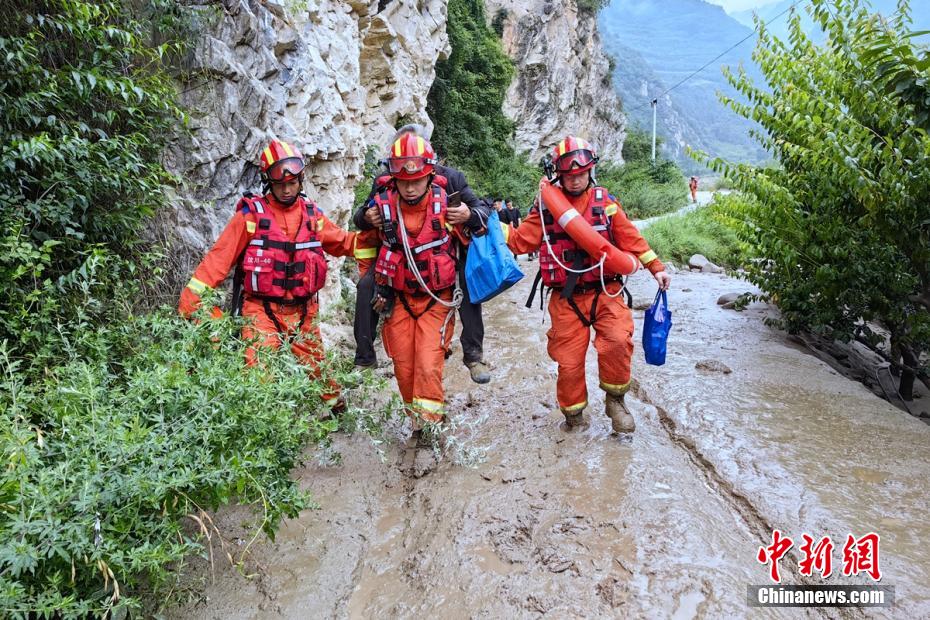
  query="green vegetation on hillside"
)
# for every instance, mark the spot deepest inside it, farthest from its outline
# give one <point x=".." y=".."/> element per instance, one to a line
<point x="644" y="189"/>
<point x="465" y="101"/>
<point x="661" y="43"/>
<point x="706" y="230"/>
<point x="117" y="429"/>
<point x="472" y="133"/>
<point x="842" y="220"/>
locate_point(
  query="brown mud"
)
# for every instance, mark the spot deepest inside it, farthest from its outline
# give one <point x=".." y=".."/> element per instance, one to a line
<point x="582" y="524"/>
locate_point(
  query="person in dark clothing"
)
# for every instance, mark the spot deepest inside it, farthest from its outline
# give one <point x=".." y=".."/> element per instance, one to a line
<point x="502" y="215"/>
<point x="366" y="319"/>
<point x="513" y="214"/>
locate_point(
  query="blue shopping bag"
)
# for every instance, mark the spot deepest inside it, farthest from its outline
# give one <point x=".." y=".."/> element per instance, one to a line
<point x="490" y="268"/>
<point x="656" y="326"/>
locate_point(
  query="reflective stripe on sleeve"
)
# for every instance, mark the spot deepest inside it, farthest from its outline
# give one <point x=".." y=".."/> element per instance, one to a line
<point x="198" y="287"/>
<point x="648" y="257"/>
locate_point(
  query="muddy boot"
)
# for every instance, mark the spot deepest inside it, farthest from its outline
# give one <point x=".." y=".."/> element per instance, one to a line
<point x="340" y="407"/>
<point x="621" y="421"/>
<point x="574" y="421"/>
<point x="480" y="373"/>
<point x="409" y="455"/>
<point x="419" y="456"/>
<point x="426" y="461"/>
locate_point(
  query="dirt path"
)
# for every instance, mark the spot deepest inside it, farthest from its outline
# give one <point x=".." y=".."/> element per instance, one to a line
<point x="583" y="525"/>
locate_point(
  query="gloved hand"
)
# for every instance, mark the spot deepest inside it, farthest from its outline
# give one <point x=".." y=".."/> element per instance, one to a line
<point x="383" y="300"/>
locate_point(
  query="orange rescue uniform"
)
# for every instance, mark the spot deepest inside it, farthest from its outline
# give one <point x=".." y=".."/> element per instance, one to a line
<point x="412" y="338"/>
<point x="613" y="321"/>
<point x="222" y="257"/>
<point x="365" y="249"/>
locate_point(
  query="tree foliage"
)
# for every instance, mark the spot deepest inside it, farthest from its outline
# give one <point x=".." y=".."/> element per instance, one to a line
<point x="85" y="110"/>
<point x="843" y="221"/>
<point x="644" y="189"/>
<point x="468" y="92"/>
<point x="466" y="105"/>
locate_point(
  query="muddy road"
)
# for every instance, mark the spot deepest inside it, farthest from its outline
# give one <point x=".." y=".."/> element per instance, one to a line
<point x="582" y="524"/>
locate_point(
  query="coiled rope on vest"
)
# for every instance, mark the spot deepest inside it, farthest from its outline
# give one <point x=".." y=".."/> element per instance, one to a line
<point x="457" y="295"/>
<point x="598" y="265"/>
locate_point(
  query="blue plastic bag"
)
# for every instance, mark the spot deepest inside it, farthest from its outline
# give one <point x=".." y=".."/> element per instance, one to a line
<point x="490" y="268"/>
<point x="656" y="326"/>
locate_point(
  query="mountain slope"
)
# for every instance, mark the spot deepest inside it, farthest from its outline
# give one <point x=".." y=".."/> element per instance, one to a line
<point x="672" y="39"/>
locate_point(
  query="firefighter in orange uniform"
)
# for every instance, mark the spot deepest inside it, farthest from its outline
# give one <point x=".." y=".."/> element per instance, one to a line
<point x="585" y="296"/>
<point x="277" y="241"/>
<point x="415" y="276"/>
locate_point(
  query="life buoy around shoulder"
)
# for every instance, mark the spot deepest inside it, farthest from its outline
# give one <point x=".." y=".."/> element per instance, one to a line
<point x="616" y="260"/>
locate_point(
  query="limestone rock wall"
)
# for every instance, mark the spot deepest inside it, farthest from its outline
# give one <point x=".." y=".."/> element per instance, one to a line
<point x="332" y="77"/>
<point x="562" y="84"/>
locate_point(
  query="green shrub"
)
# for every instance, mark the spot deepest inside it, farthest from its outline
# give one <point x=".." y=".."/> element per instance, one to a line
<point x="706" y="230"/>
<point x="160" y="423"/>
<point x="644" y="190"/>
<point x="85" y="110"/>
<point x="842" y="218"/>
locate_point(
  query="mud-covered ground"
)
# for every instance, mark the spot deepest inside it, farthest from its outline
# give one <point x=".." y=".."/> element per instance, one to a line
<point x="563" y="525"/>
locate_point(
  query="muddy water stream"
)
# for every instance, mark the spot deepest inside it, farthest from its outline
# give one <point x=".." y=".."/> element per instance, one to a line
<point x="563" y="525"/>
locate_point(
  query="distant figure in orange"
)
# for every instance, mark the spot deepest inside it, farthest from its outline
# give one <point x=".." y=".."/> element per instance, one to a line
<point x="692" y="184"/>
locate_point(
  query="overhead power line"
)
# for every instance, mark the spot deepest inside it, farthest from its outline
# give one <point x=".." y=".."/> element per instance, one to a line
<point x="715" y="59"/>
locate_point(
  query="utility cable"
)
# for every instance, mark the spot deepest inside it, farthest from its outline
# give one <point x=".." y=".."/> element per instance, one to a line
<point x="715" y="59"/>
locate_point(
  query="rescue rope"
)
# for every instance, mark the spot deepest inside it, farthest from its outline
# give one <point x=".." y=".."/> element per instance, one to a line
<point x="600" y="264"/>
<point x="457" y="295"/>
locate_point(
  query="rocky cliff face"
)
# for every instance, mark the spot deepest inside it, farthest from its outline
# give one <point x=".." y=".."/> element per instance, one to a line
<point x="562" y="83"/>
<point x="330" y="76"/>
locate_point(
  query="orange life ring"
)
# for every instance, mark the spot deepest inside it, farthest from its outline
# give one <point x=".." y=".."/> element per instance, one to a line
<point x="616" y="261"/>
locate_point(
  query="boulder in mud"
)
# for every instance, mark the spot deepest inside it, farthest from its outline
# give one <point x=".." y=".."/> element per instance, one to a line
<point x="642" y="304"/>
<point x="728" y="298"/>
<point x="713" y="366"/>
<point x="711" y="268"/>
<point x="697" y="262"/>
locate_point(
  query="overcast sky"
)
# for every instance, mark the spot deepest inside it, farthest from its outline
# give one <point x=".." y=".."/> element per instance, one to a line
<point x="741" y="5"/>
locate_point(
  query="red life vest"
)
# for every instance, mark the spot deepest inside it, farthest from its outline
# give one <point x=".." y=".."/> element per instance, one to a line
<point x="273" y="265"/>
<point x="569" y="253"/>
<point x="431" y="247"/>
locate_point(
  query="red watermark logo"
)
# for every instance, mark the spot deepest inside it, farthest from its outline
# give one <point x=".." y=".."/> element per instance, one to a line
<point x="860" y="555"/>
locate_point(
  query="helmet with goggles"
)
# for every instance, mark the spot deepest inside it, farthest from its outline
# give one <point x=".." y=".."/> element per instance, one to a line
<point x="412" y="157"/>
<point x="281" y="162"/>
<point x="573" y="156"/>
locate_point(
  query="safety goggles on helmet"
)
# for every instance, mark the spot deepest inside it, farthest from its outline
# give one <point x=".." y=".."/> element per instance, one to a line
<point x="285" y="169"/>
<point x="409" y="165"/>
<point x="575" y="161"/>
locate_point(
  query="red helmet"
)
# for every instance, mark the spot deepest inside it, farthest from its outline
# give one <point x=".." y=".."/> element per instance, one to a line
<point x="411" y="158"/>
<point x="281" y="162"/>
<point x="573" y="156"/>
